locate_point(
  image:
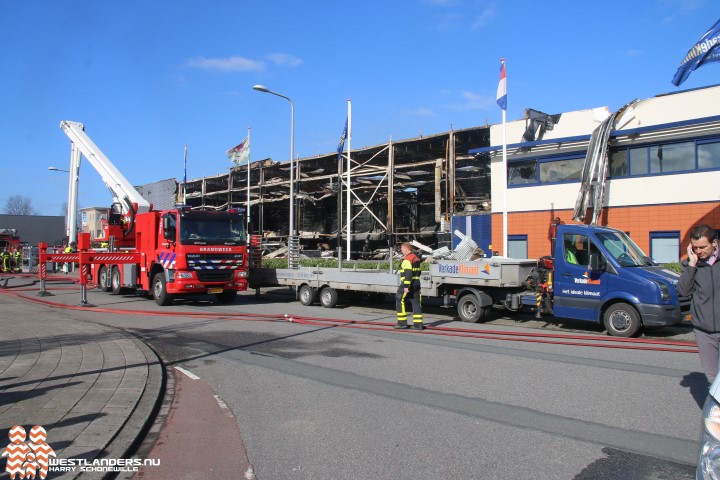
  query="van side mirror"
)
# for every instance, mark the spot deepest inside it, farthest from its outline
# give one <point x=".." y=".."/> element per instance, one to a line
<point x="595" y="264"/>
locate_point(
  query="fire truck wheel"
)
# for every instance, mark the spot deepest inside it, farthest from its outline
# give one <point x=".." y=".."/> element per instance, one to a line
<point x="226" y="297"/>
<point x="622" y="320"/>
<point x="159" y="290"/>
<point x="328" y="297"/>
<point x="306" y="295"/>
<point x="103" y="280"/>
<point x="115" y="284"/>
<point x="470" y="311"/>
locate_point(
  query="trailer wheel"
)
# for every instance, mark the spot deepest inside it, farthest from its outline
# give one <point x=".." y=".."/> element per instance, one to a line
<point x="226" y="296"/>
<point x="103" y="280"/>
<point x="306" y="295"/>
<point x="159" y="290"/>
<point x="470" y="310"/>
<point x="328" y="297"/>
<point x="115" y="284"/>
<point x="622" y="320"/>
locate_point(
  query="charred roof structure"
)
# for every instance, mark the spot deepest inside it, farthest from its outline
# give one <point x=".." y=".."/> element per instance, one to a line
<point x="400" y="191"/>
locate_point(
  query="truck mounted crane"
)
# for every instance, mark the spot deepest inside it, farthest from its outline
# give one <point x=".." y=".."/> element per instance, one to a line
<point x="166" y="253"/>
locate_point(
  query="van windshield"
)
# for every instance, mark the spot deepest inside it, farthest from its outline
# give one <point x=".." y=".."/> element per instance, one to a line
<point x="623" y="249"/>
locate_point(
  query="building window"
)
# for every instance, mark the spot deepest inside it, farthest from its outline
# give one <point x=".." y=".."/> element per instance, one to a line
<point x="565" y="170"/>
<point x="665" y="247"/>
<point x="521" y="173"/>
<point x="638" y="161"/>
<point x="656" y="159"/>
<point x="629" y="161"/>
<point x="666" y="158"/>
<point x="708" y="154"/>
<point x="546" y="170"/>
<point x="619" y="164"/>
<point x="674" y="157"/>
<point x="517" y="246"/>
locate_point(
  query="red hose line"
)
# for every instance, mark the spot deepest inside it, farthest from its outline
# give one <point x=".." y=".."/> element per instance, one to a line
<point x="502" y="335"/>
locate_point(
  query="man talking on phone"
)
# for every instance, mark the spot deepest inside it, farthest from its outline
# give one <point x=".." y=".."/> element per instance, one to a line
<point x="700" y="280"/>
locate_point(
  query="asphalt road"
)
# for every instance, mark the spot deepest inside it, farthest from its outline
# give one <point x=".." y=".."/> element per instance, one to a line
<point x="331" y="401"/>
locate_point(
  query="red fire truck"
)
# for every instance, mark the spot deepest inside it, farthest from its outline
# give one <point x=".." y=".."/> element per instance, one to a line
<point x="9" y="239"/>
<point x="9" y="242"/>
<point x="165" y="253"/>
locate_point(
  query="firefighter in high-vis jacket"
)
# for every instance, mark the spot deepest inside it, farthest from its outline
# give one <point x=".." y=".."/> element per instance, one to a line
<point x="5" y="257"/>
<point x="67" y="266"/>
<point x="18" y="259"/>
<point x="409" y="290"/>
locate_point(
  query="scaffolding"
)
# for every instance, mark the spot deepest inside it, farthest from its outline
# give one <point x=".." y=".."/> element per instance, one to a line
<point x="400" y="191"/>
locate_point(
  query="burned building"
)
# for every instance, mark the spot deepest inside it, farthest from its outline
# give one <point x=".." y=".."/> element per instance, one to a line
<point x="400" y="191"/>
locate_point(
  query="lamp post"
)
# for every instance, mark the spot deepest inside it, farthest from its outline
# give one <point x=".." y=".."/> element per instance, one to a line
<point x="71" y="227"/>
<point x="262" y="88"/>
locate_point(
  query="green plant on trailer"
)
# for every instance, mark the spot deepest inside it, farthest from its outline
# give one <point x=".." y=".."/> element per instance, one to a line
<point x="333" y="263"/>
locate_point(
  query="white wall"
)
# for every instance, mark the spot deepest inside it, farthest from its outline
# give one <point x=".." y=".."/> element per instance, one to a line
<point x="675" y="107"/>
<point x="651" y="190"/>
<point x="571" y="124"/>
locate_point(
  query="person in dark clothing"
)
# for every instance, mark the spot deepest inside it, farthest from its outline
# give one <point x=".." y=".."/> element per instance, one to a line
<point x="700" y="280"/>
<point x="409" y="289"/>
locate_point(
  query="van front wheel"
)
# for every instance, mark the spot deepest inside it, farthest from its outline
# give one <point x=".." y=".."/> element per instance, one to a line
<point x="622" y="320"/>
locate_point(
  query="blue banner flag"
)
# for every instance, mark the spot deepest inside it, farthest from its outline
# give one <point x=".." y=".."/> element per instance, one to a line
<point x="706" y="50"/>
<point x="343" y="137"/>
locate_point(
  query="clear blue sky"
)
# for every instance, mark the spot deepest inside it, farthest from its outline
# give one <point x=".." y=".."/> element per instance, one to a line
<point x="148" y="77"/>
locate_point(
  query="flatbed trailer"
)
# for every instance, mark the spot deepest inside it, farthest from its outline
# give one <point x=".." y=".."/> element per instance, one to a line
<point x="474" y="286"/>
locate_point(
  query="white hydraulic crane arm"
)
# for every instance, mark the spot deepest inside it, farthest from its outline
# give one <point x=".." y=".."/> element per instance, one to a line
<point x="122" y="190"/>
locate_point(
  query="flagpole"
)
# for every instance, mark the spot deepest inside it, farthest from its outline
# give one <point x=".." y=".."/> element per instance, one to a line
<point x="248" y="183"/>
<point x="185" y="179"/>
<point x="502" y="102"/>
<point x="505" y="187"/>
<point x="348" y="213"/>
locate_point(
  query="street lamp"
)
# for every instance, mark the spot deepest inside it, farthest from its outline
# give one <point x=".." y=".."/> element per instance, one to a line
<point x="71" y="227"/>
<point x="262" y="88"/>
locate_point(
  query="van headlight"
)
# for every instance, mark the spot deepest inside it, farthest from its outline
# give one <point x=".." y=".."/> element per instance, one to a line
<point x="664" y="290"/>
<point x="708" y="466"/>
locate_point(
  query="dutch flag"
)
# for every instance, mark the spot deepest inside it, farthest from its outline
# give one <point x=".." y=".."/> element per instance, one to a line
<point x="502" y="87"/>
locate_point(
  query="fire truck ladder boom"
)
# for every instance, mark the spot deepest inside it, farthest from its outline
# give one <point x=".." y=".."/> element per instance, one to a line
<point x="121" y="189"/>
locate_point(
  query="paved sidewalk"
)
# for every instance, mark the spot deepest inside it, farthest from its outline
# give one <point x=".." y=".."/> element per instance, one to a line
<point x="92" y="387"/>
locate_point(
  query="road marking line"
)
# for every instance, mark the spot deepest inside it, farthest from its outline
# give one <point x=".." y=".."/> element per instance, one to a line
<point x="223" y="406"/>
<point x="220" y="402"/>
<point x="187" y="373"/>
